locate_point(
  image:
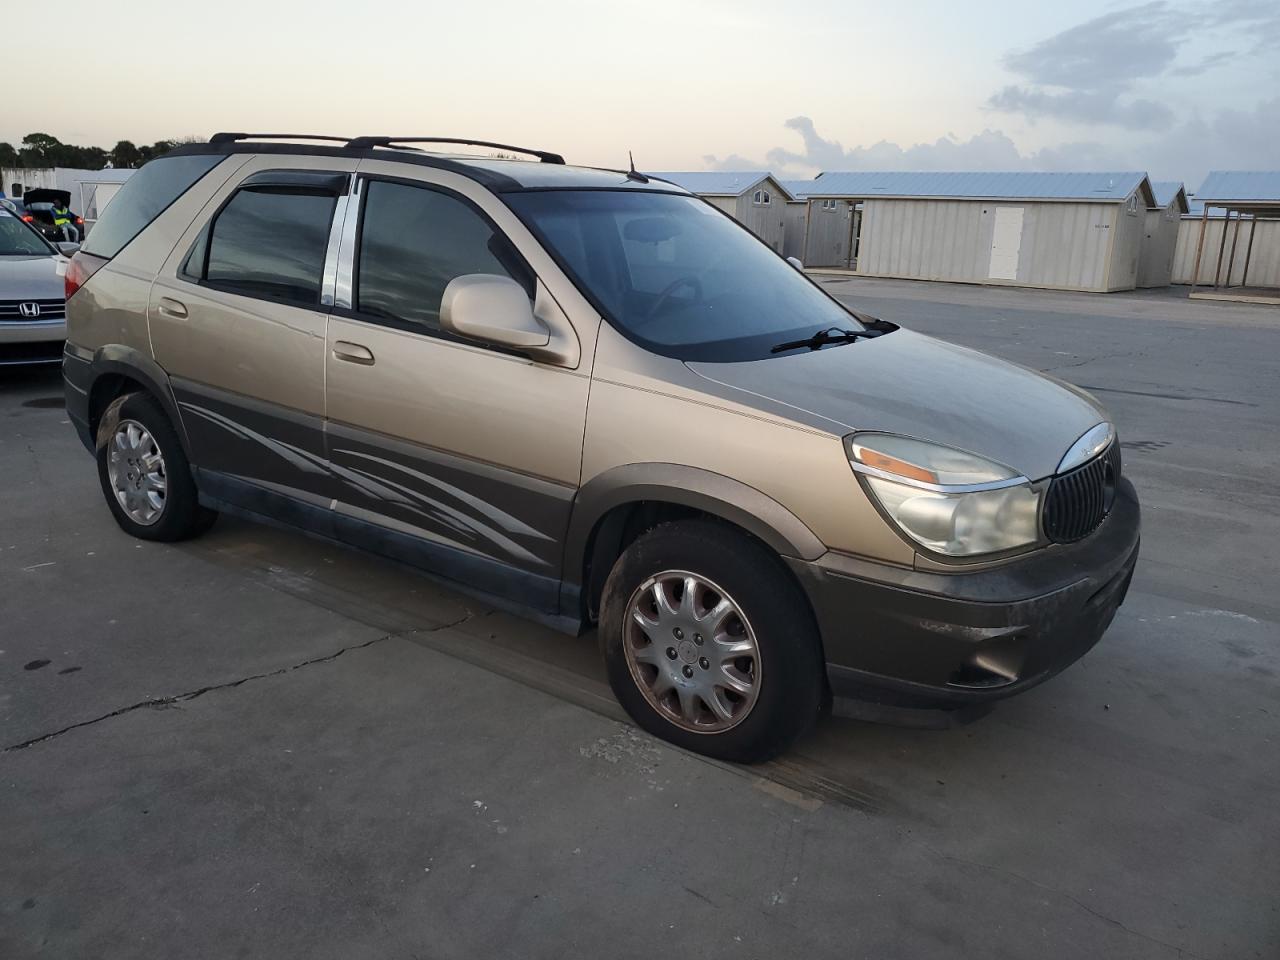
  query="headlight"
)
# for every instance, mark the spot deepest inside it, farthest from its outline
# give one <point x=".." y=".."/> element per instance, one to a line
<point x="948" y="501"/>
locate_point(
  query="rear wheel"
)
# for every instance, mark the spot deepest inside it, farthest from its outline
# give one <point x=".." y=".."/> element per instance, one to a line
<point x="145" y="475"/>
<point x="709" y="643"/>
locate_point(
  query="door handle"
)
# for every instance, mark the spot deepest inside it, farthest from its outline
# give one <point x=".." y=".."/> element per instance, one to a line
<point x="352" y="353"/>
<point x="172" y="308"/>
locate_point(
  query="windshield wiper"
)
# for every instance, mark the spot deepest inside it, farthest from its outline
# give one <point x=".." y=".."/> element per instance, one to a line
<point x="823" y="337"/>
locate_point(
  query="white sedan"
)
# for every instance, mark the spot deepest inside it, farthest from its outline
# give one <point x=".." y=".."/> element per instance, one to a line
<point x="33" y="322"/>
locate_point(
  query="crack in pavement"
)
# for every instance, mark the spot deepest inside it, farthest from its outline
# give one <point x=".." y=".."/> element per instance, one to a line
<point x="1088" y="360"/>
<point x="1181" y="951"/>
<point x="160" y="702"/>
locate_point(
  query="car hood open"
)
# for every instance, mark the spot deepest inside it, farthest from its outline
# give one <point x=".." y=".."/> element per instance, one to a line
<point x="911" y="384"/>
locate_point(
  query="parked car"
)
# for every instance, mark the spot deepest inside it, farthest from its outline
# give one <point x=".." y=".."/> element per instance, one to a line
<point x="592" y="397"/>
<point x="39" y="204"/>
<point x="32" y="319"/>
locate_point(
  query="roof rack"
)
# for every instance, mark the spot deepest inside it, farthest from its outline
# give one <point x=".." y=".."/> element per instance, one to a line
<point x="365" y="143"/>
<point x="234" y="137"/>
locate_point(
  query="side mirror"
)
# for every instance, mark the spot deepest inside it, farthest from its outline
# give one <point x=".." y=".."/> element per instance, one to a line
<point x="491" y="309"/>
<point x="795" y="262"/>
<point x="68" y="249"/>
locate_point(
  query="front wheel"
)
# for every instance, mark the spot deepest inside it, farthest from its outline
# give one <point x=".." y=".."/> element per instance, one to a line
<point x="709" y="643"/>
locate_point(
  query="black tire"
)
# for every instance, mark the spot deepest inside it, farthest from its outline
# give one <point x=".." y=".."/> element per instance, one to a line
<point x="181" y="516"/>
<point x="791" y="683"/>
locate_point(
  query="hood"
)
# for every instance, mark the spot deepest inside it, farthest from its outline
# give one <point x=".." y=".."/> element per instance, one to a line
<point x="31" y="277"/>
<point x="910" y="384"/>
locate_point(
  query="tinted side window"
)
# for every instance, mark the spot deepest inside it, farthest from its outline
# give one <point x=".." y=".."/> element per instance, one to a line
<point x="271" y="244"/>
<point x="144" y="196"/>
<point x="413" y="241"/>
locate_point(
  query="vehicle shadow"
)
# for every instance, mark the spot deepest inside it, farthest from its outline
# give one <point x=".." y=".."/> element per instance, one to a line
<point x="876" y="768"/>
<point x="34" y="379"/>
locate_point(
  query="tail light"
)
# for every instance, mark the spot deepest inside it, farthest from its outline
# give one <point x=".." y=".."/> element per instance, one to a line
<point x="28" y="218"/>
<point x="79" y="270"/>
<point x="79" y="220"/>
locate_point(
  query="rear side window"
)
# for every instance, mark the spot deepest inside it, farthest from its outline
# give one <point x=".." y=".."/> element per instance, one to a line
<point x="266" y="243"/>
<point x="144" y="196"/>
<point x="413" y="241"/>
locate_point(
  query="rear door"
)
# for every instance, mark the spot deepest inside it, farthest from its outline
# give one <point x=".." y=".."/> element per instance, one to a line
<point x="238" y="322"/>
<point x="471" y="452"/>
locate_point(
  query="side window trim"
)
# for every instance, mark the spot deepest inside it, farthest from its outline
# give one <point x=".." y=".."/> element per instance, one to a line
<point x="337" y="227"/>
<point x="264" y="181"/>
<point x="348" y="264"/>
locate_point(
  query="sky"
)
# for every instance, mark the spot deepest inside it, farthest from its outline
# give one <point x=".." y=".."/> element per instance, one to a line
<point x="1173" y="87"/>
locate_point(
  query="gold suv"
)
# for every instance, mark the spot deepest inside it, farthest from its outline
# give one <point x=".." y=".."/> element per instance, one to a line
<point x="591" y="397"/>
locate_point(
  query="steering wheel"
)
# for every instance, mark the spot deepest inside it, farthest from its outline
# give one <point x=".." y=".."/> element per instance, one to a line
<point x="693" y="283"/>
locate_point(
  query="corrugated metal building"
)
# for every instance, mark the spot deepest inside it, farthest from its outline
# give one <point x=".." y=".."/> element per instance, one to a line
<point x="1067" y="231"/>
<point x="754" y="198"/>
<point x="1264" y="264"/>
<point x="1234" y="231"/>
<point x="1160" y="238"/>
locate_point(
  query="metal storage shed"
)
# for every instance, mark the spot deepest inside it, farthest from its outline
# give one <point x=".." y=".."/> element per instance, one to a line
<point x="1066" y="231"/>
<point x="1160" y="238"/>
<point x="1243" y="248"/>
<point x="754" y="198"/>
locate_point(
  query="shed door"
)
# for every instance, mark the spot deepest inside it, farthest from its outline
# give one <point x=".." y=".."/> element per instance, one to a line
<point x="1006" y="242"/>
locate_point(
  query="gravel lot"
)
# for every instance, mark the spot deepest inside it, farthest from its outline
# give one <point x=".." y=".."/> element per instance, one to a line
<point x="259" y="745"/>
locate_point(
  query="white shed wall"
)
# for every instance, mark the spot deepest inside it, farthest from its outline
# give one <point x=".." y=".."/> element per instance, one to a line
<point x="1155" y="269"/>
<point x="765" y="220"/>
<point x="793" y="227"/>
<point x="1064" y="245"/>
<point x="827" y="235"/>
<point x="1264" y="260"/>
<point x="728" y="204"/>
<point x="1126" y="247"/>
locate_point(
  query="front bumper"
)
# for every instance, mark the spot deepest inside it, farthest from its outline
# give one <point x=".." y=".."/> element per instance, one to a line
<point x="922" y="639"/>
<point x="35" y="341"/>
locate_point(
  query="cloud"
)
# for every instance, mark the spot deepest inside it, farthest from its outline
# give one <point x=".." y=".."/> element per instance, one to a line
<point x="988" y="150"/>
<point x="1087" y="73"/>
<point x="1094" y="74"/>
<point x="1083" y="106"/>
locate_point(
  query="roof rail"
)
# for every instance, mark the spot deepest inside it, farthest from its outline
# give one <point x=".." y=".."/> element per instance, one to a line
<point x="234" y="137"/>
<point x="364" y="143"/>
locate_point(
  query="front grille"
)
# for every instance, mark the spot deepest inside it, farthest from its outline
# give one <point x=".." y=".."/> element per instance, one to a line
<point x="1080" y="499"/>
<point x="53" y="308"/>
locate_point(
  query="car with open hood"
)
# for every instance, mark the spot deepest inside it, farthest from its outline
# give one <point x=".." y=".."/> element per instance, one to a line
<point x="590" y="397"/>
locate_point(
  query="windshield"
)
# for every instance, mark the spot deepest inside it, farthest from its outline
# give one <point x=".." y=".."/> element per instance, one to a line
<point x="676" y="275"/>
<point x="17" y="239"/>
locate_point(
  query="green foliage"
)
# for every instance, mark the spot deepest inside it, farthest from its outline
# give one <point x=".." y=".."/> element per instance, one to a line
<point x="44" y="150"/>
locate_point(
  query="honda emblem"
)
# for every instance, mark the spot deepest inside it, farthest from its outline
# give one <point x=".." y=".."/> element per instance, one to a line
<point x="29" y="310"/>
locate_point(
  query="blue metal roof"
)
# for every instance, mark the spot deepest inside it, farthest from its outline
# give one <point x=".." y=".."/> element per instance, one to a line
<point x="1165" y="191"/>
<point x="1195" y="209"/>
<point x="799" y="188"/>
<point x="976" y="185"/>
<point x="715" y="183"/>
<point x="1240" y="185"/>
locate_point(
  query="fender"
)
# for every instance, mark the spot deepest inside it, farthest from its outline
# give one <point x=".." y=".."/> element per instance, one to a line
<point x="115" y="358"/>
<point x="714" y="493"/>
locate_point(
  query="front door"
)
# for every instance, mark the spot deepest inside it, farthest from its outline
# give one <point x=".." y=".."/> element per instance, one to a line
<point x="445" y="452"/>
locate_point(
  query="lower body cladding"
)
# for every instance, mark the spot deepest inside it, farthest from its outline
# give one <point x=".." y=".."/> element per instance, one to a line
<point x="908" y="638"/>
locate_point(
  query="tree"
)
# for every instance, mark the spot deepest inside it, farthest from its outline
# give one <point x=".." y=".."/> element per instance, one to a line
<point x="125" y="154"/>
<point x="39" y="150"/>
<point x="8" y="155"/>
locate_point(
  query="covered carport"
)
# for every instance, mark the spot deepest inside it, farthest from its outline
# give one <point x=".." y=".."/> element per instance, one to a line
<point x="1247" y="200"/>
